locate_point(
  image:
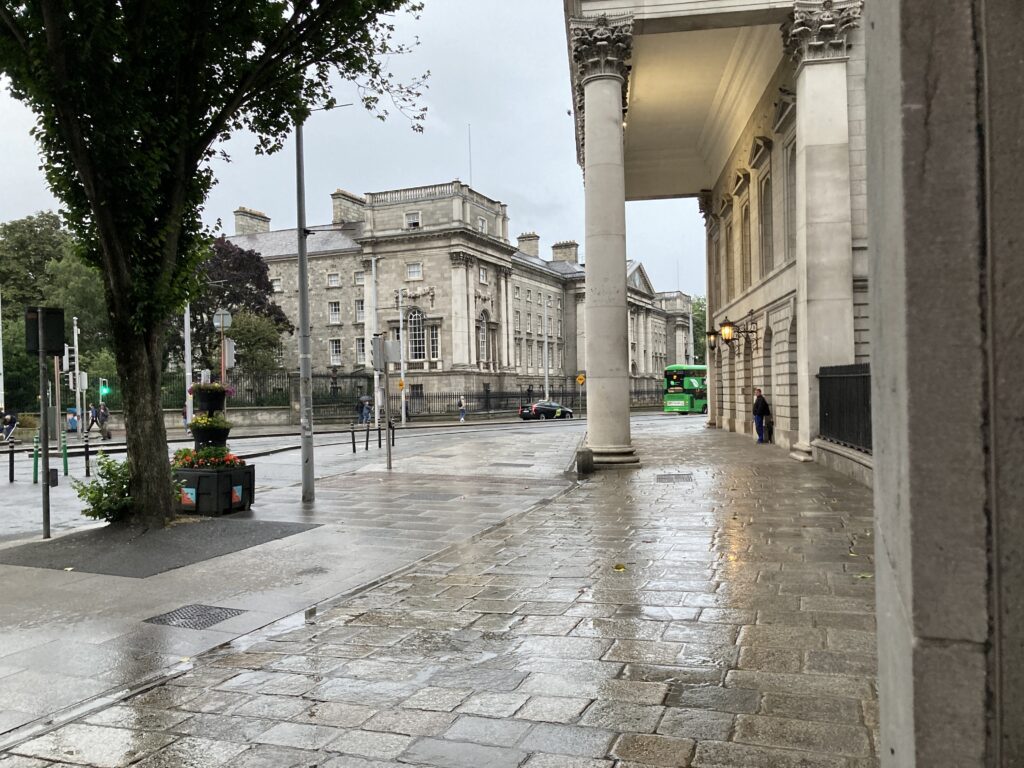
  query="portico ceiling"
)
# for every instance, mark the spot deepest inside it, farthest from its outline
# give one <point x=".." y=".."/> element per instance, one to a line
<point x="690" y="95"/>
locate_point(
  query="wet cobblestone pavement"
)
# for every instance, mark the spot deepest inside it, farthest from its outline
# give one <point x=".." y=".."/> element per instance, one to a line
<point x="713" y="608"/>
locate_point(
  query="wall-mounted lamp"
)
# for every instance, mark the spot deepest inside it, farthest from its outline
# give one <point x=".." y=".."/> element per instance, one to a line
<point x="712" y="338"/>
<point x="747" y="328"/>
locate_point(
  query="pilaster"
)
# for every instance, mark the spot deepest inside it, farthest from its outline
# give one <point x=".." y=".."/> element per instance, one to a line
<point x="461" y="318"/>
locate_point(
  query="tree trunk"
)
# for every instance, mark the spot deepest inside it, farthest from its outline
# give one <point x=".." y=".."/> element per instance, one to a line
<point x="139" y="364"/>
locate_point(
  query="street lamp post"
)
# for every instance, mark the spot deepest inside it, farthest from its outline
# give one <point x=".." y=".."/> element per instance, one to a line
<point x="305" y="358"/>
<point x="401" y="350"/>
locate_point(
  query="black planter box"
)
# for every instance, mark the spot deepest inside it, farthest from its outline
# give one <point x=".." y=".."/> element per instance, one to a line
<point x="205" y="400"/>
<point x="216" y="491"/>
<point x="213" y="436"/>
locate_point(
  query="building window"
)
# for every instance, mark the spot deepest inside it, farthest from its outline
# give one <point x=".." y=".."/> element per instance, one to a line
<point x="517" y="291"/>
<point x="414" y="270"/>
<point x="515" y="320"/>
<point x="540" y="324"/>
<point x="360" y="350"/>
<point x="558" y="305"/>
<point x="335" y="346"/>
<point x="333" y="280"/>
<point x="275" y="284"/>
<point x="412" y="220"/>
<point x="435" y="342"/>
<point x="559" y="329"/>
<point x="481" y="334"/>
<point x="519" y="354"/>
<point x="791" y="201"/>
<point x="483" y="275"/>
<point x="529" y="323"/>
<point x="730" y="265"/>
<point x="360" y="310"/>
<point x="358" y="277"/>
<point x="333" y="312"/>
<point x="764" y="203"/>
<point x="417" y="340"/>
<point x="529" y="354"/>
<point x="529" y="295"/>
<point x="481" y="224"/>
<point x="745" y="264"/>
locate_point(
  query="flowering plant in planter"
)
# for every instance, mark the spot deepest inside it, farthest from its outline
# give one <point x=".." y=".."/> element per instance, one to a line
<point x="213" y="387"/>
<point x="210" y="457"/>
<point x="208" y="421"/>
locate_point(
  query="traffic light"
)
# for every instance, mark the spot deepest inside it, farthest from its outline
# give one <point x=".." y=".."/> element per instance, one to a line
<point x="104" y="388"/>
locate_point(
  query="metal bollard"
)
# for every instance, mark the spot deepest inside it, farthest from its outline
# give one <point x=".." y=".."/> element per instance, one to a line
<point x="392" y="425"/>
<point x="378" y="435"/>
<point x="87" y="473"/>
<point x="35" y="460"/>
<point x="367" y="446"/>
<point x="64" y="452"/>
<point x="53" y="477"/>
<point x="353" y="431"/>
<point x="10" y="462"/>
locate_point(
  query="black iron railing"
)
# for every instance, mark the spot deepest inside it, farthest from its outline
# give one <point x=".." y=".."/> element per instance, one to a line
<point x="845" y="405"/>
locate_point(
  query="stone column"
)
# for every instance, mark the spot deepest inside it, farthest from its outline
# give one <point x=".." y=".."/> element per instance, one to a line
<point x="648" y="343"/>
<point x="944" y="107"/>
<point x="824" y="235"/>
<point x="460" y="309"/>
<point x="470" y="299"/>
<point x="508" y="335"/>
<point x="600" y="49"/>
<point x="581" y="331"/>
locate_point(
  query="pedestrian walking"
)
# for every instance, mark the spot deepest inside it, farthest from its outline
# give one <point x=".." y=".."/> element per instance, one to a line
<point x="761" y="412"/>
<point x="102" y="417"/>
<point x="10" y="421"/>
<point x="365" y="417"/>
<point x="184" y="417"/>
<point x="462" y="410"/>
<point x="92" y="415"/>
<point x="359" y="410"/>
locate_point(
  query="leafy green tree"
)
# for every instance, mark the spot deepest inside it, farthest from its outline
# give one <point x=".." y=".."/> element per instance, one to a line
<point x="234" y="279"/>
<point x="130" y="100"/>
<point x="258" y="343"/>
<point x="21" y="372"/>
<point x="699" y="307"/>
<point x="26" y="246"/>
<point x="77" y="286"/>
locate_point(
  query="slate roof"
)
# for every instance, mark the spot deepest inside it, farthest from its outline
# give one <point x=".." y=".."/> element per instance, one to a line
<point x="284" y="242"/>
<point x="560" y="268"/>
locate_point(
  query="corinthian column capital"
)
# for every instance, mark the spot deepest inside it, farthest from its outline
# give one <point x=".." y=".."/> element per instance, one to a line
<point x="818" y="28"/>
<point x="601" y="45"/>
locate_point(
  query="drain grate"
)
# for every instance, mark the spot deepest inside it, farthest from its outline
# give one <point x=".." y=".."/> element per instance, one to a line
<point x="681" y="477"/>
<point x="195" y="616"/>
<point x="431" y="496"/>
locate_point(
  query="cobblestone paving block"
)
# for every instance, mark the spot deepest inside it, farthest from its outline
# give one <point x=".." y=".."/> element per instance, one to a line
<point x="622" y="716"/>
<point x="140" y="718"/>
<point x="834" y="663"/>
<point x="454" y="754"/>
<point x="194" y="753"/>
<point x="568" y="740"/>
<point x="627" y="629"/>
<point x="643" y="652"/>
<point x="713" y="754"/>
<point x="816" y="708"/>
<point x="486" y="730"/>
<point x="553" y="709"/>
<point x="240" y="730"/>
<point x="546" y="625"/>
<point x="379" y="746"/>
<point x="826" y="738"/>
<point x="437" y="699"/>
<point x="268" y="756"/>
<point x="14" y="761"/>
<point x="696" y="724"/>
<point x="298" y="735"/>
<point x="334" y="713"/>
<point x="715" y="698"/>
<point x="493" y="704"/>
<point x="94" y="745"/>
<point x="770" y="659"/>
<point x="662" y="751"/>
<point x="564" y="761"/>
<point x="782" y="637"/>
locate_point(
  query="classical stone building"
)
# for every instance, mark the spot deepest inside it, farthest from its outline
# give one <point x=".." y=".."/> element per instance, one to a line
<point x="476" y="309"/>
<point x="756" y="108"/>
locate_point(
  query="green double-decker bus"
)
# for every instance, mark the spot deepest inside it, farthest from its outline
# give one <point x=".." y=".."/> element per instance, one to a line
<point x="686" y="389"/>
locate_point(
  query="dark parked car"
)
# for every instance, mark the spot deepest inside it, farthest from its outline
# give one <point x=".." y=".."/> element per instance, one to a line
<point x="544" y="409"/>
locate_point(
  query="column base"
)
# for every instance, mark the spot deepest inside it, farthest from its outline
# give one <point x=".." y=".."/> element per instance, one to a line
<point x="801" y="452"/>
<point x="615" y="456"/>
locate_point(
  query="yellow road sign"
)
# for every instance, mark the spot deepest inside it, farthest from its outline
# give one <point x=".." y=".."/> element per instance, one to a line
<point x="580" y="379"/>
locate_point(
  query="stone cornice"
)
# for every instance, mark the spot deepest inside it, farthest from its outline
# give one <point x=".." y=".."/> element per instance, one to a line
<point x="462" y="259"/>
<point x="818" y="28"/>
<point x="601" y="47"/>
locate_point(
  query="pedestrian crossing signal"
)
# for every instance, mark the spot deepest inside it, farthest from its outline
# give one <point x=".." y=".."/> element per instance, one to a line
<point x="104" y="387"/>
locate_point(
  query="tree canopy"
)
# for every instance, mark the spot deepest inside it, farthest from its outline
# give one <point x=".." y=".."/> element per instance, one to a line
<point x="26" y="247"/>
<point x="131" y="99"/>
<point x="699" y="308"/>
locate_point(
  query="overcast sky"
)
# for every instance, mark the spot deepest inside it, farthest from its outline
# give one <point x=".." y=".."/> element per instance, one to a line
<point x="499" y="73"/>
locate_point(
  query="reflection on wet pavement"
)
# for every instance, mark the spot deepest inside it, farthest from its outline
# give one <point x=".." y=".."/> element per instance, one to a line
<point x="726" y="621"/>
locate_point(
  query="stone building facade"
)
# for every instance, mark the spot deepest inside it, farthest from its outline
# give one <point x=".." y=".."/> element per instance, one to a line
<point x="435" y="264"/>
<point x="756" y="108"/>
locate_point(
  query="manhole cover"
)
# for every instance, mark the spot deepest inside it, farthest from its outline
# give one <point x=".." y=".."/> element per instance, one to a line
<point x="195" y="616"/>
<point x="431" y="496"/>
<point x="681" y="477"/>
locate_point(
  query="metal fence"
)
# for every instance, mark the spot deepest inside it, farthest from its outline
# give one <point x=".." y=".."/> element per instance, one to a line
<point x="845" y="405"/>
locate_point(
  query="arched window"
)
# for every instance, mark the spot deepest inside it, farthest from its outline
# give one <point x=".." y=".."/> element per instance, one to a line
<point x="481" y="334"/>
<point x="417" y="340"/>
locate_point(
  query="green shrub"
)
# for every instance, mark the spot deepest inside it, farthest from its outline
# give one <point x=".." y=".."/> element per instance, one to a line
<point x="107" y="497"/>
<point x="28" y="420"/>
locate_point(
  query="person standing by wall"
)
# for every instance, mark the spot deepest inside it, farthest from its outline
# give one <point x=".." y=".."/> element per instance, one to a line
<point x="462" y="409"/>
<point x="102" y="417"/>
<point x="761" y="412"/>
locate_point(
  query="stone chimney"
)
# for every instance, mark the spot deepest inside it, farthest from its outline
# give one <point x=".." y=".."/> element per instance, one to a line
<point x="529" y="243"/>
<point x="347" y="207"/>
<point x="250" y="222"/>
<point x="567" y="250"/>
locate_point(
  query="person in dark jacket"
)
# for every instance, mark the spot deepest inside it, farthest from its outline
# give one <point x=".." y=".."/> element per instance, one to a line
<point x="761" y="412"/>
